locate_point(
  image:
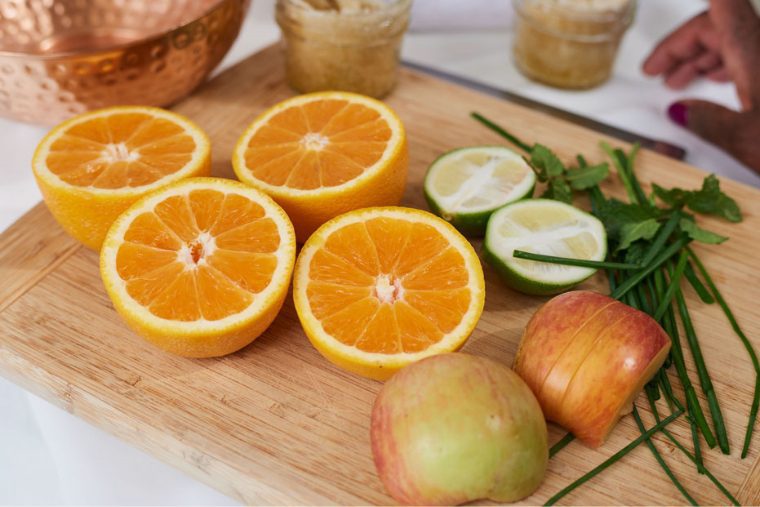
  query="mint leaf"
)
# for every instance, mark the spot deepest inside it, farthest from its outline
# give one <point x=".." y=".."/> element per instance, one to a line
<point x="587" y="177"/>
<point x="675" y="197"/>
<point x="559" y="190"/>
<point x="709" y="200"/>
<point x="696" y="233"/>
<point x="634" y="231"/>
<point x="545" y="162"/>
<point x="615" y="214"/>
<point x="637" y="252"/>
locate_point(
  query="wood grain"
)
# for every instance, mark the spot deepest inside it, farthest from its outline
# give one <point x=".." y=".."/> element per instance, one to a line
<point x="276" y="423"/>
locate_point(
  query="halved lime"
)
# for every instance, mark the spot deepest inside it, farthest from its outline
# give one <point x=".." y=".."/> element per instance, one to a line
<point x="545" y="227"/>
<point x="466" y="185"/>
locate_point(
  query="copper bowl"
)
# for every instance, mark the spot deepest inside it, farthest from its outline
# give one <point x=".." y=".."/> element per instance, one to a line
<point x="59" y="58"/>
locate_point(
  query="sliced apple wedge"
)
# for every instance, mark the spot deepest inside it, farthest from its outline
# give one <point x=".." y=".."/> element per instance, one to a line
<point x="586" y="356"/>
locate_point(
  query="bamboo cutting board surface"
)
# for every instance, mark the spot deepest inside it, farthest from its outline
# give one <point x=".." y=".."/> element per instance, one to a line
<point x="275" y="422"/>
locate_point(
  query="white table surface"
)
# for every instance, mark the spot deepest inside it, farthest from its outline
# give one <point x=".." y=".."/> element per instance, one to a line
<point x="48" y="456"/>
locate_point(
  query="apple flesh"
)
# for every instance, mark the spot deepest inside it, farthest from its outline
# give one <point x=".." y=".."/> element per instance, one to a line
<point x="454" y="428"/>
<point x="586" y="356"/>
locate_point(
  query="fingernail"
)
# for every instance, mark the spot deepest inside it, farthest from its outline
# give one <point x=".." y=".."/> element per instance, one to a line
<point x="679" y="113"/>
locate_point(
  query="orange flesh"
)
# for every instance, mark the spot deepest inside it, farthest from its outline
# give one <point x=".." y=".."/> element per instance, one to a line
<point x="388" y="285"/>
<point x="204" y="255"/>
<point x="322" y="143"/>
<point x="120" y="150"/>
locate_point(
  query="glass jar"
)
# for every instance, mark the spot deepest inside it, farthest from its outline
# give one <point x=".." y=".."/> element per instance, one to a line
<point x="570" y="43"/>
<point x="349" y="45"/>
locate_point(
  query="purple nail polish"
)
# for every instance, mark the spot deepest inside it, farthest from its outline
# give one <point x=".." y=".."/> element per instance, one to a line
<point x="679" y="113"/>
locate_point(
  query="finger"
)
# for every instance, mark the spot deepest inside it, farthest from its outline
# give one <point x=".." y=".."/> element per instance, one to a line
<point x="731" y="16"/>
<point x="716" y="124"/>
<point x="719" y="75"/>
<point x="683" y="44"/>
<point x="708" y="62"/>
<point x="680" y="77"/>
<point x="739" y="25"/>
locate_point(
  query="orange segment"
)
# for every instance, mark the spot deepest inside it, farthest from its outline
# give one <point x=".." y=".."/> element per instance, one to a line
<point x="348" y="325"/>
<point x="93" y="167"/>
<point x="146" y="288"/>
<point x="176" y="214"/>
<point x="259" y="236"/>
<point x="353" y="244"/>
<point x="381" y="334"/>
<point x="179" y="301"/>
<point x="327" y="299"/>
<point x="323" y="154"/>
<point x="218" y="296"/>
<point x="442" y="306"/>
<point x="147" y="229"/>
<point x="134" y="260"/>
<point x="200" y="268"/>
<point x="236" y="211"/>
<point x="378" y="288"/>
<point x="250" y="271"/>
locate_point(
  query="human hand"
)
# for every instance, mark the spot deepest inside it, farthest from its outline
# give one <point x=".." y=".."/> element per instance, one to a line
<point x="721" y="44"/>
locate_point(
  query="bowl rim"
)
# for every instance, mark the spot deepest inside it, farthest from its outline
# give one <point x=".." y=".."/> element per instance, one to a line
<point x="116" y="47"/>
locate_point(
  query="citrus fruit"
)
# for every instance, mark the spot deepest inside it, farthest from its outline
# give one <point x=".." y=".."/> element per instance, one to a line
<point x="466" y="185"/>
<point x="92" y="167"/>
<point x="323" y="154"/>
<point x="200" y="268"/>
<point x="378" y="288"/>
<point x="546" y="227"/>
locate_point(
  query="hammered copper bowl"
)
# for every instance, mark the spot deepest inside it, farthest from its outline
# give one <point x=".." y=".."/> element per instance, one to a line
<point x="59" y="58"/>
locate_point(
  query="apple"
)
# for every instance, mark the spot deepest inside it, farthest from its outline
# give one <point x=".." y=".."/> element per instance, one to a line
<point x="454" y="428"/>
<point x="586" y="356"/>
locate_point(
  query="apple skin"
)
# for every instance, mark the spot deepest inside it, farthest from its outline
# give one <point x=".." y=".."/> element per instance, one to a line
<point x="586" y="356"/>
<point x="454" y="428"/>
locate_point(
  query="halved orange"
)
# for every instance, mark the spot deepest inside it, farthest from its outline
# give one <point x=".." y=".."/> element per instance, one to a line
<point x="200" y="268"/>
<point x="93" y="166"/>
<point x="378" y="288"/>
<point x="323" y="154"/>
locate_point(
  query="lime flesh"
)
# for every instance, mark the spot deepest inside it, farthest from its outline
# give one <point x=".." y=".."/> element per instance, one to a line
<point x="465" y="186"/>
<point x="546" y="227"/>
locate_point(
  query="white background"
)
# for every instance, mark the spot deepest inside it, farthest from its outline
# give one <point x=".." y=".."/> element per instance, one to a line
<point x="49" y="457"/>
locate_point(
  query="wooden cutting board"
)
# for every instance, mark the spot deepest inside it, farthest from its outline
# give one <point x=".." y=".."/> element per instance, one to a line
<point x="276" y="423"/>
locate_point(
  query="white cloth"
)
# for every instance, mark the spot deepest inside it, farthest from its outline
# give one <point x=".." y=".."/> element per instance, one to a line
<point x="49" y="457"/>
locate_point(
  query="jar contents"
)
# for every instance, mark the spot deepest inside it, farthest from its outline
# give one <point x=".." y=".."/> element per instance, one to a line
<point x="570" y="43"/>
<point x="349" y="45"/>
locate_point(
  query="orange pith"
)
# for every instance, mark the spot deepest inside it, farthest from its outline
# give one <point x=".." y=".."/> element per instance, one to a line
<point x="317" y="144"/>
<point x="388" y="286"/>
<point x="203" y="255"/>
<point x="128" y="149"/>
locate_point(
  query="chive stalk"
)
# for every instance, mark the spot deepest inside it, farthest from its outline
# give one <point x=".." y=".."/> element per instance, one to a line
<point x="568" y="261"/>
<point x="661" y="461"/>
<point x="622" y="171"/>
<point x="637" y="277"/>
<point x="614" y="458"/>
<point x="503" y="133"/>
<point x="561" y="444"/>
<point x="675" y="283"/>
<point x="697" y="285"/>
<point x="661" y="238"/>
<point x="692" y="402"/>
<point x="689" y="455"/>
<point x="704" y="377"/>
<point x="747" y="345"/>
